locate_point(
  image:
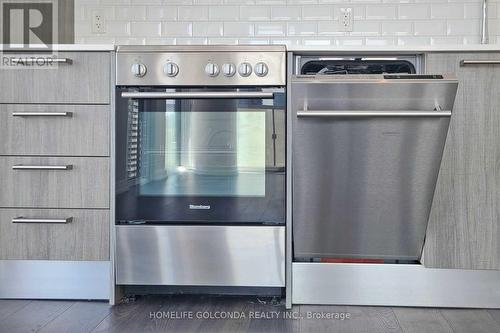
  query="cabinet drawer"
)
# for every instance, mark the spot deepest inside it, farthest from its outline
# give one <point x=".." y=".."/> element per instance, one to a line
<point x="54" y="130"/>
<point x="54" y="182"/>
<point x="86" y="79"/>
<point x="27" y="234"/>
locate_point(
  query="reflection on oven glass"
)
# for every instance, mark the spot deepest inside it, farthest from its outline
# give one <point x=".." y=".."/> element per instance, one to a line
<point x="202" y="153"/>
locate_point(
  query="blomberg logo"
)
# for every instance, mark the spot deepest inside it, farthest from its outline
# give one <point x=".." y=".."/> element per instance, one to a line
<point x="199" y="206"/>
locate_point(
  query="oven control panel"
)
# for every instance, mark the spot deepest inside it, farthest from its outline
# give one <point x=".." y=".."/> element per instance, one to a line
<point x="250" y="68"/>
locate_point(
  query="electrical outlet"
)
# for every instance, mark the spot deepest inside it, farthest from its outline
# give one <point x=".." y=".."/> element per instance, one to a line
<point x="346" y="18"/>
<point x="98" y="22"/>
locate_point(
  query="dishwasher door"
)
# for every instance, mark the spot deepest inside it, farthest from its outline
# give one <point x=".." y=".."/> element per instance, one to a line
<point x="366" y="158"/>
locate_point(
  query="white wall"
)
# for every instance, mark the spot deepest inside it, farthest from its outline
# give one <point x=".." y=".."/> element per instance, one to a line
<point x="294" y="22"/>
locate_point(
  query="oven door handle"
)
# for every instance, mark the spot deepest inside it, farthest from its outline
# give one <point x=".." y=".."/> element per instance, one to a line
<point x="200" y="95"/>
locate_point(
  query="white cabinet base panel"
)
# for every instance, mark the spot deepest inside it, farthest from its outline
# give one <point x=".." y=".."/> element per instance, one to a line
<point x="41" y="279"/>
<point x="394" y="285"/>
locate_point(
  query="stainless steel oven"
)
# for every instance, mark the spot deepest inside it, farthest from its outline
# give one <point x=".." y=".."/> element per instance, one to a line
<point x="200" y="155"/>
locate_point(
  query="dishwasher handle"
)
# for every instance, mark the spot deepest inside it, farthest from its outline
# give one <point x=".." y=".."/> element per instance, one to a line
<point x="365" y="113"/>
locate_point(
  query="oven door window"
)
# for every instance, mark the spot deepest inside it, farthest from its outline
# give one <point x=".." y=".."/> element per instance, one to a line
<point x="201" y="160"/>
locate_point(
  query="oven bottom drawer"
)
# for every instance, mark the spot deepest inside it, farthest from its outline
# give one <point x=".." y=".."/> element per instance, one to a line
<point x="201" y="255"/>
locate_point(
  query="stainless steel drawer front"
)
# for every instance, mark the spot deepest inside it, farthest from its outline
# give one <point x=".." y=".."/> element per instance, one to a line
<point x="201" y="255"/>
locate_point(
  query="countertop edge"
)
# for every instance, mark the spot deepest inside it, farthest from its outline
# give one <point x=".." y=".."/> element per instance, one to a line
<point x="73" y="47"/>
<point x="396" y="49"/>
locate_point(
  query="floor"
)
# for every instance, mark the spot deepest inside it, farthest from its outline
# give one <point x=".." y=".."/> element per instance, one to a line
<point x="247" y="314"/>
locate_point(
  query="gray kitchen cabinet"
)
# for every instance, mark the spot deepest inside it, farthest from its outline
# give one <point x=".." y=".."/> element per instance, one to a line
<point x="84" y="237"/>
<point x="55" y="177"/>
<point x="464" y="224"/>
<point x="33" y="182"/>
<point x="67" y="130"/>
<point x="84" y="79"/>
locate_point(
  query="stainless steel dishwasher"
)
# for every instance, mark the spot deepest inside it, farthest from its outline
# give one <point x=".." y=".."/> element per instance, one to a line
<point x="366" y="155"/>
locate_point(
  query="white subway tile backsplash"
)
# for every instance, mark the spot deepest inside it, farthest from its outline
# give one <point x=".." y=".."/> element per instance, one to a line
<point x="447" y="11"/>
<point x="152" y="29"/>
<point x="253" y="41"/>
<point x="399" y="28"/>
<point x="130" y="13"/>
<point x="177" y="29"/>
<point x="321" y="12"/>
<point x="255" y="13"/>
<point x="223" y="41"/>
<point x="449" y="40"/>
<point x="286" y="13"/>
<point x="212" y="29"/>
<point x="414" y="11"/>
<point x="193" y="13"/>
<point x="236" y="29"/>
<point x="366" y="28"/>
<point x="349" y="41"/>
<point x="379" y="41"/>
<point x="430" y="28"/>
<point x="117" y="28"/>
<point x="412" y="40"/>
<point x="331" y="28"/>
<point x="290" y="22"/>
<point x="191" y="41"/>
<point x="160" y="41"/>
<point x="163" y="13"/>
<point x="302" y="28"/>
<point x="379" y="12"/>
<point x="461" y="27"/>
<point x="224" y="13"/>
<point x="270" y="29"/>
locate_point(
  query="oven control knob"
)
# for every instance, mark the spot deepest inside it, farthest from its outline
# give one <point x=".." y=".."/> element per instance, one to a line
<point x="245" y="69"/>
<point x="138" y="69"/>
<point x="212" y="70"/>
<point x="171" y="69"/>
<point x="261" y="69"/>
<point x="229" y="69"/>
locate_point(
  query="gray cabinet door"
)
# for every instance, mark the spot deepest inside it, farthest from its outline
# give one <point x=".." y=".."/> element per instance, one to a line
<point x="85" y="237"/>
<point x="85" y="184"/>
<point x="464" y="229"/>
<point x="68" y="130"/>
<point x="85" y="80"/>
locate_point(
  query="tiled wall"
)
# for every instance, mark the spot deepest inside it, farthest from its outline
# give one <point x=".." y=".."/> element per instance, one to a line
<point x="293" y="22"/>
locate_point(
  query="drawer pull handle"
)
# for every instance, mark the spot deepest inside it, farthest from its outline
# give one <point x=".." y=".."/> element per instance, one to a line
<point x="479" y="62"/>
<point x="315" y="113"/>
<point x="21" y="219"/>
<point x="34" y="60"/>
<point x="42" y="167"/>
<point x="42" y="114"/>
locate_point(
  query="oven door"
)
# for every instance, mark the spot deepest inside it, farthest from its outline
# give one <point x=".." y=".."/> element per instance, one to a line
<point x="200" y="156"/>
